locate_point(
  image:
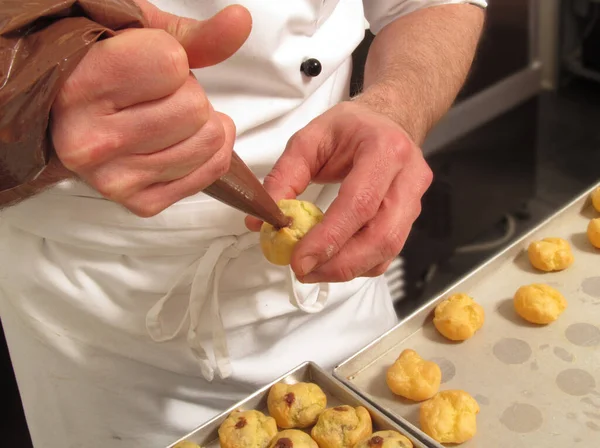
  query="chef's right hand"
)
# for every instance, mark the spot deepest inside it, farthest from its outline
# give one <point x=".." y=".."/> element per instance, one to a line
<point x="135" y="124"/>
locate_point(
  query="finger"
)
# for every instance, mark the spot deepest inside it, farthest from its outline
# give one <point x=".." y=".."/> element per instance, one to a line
<point x="159" y="124"/>
<point x="158" y="197"/>
<point x="298" y="164"/>
<point x="123" y="177"/>
<point x="253" y="224"/>
<point x="358" y="200"/>
<point x="294" y="170"/>
<point x="206" y="42"/>
<point x="181" y="159"/>
<point x="384" y="236"/>
<point x="370" y="247"/>
<point x="148" y="127"/>
<point x="378" y="270"/>
<point x="131" y="68"/>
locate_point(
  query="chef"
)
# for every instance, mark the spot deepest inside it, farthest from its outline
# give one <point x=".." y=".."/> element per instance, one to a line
<point x="136" y="307"/>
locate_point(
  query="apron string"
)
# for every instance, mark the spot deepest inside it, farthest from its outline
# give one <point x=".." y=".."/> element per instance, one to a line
<point x="160" y="315"/>
<point x="221" y="350"/>
<point x="311" y="304"/>
<point x="203" y="304"/>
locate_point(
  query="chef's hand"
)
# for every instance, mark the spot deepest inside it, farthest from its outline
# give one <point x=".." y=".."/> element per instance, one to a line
<point x="134" y="123"/>
<point x="383" y="176"/>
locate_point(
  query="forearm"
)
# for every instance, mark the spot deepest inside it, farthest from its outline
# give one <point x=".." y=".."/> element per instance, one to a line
<point x="417" y="64"/>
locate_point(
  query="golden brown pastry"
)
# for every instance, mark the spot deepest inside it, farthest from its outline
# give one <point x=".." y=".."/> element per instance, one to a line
<point x="296" y="405"/>
<point x="385" y="439"/>
<point x="247" y="429"/>
<point x="186" y="444"/>
<point x="278" y="245"/>
<point x="550" y="254"/>
<point x="293" y="438"/>
<point x="593" y="232"/>
<point x="458" y="317"/>
<point x="450" y="416"/>
<point x="414" y="378"/>
<point x="596" y="199"/>
<point x="539" y="304"/>
<point x="342" y="427"/>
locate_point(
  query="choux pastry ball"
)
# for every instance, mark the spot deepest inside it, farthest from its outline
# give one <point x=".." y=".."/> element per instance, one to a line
<point x="593" y="232"/>
<point x="296" y="405"/>
<point x="293" y="438"/>
<point x="539" y="304"/>
<point x="450" y="416"/>
<point x="596" y="199"/>
<point x="342" y="427"/>
<point x="385" y="439"/>
<point x="247" y="429"/>
<point x="414" y="378"/>
<point x="458" y="317"/>
<point x="278" y="244"/>
<point x="550" y="254"/>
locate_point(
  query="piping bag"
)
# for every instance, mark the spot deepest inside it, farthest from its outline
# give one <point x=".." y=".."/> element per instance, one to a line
<point x="240" y="189"/>
<point x="41" y="43"/>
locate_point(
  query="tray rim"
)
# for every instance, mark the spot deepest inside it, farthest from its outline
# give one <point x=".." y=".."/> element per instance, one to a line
<point x="405" y="426"/>
<point x="582" y="199"/>
<point x="474" y="272"/>
<point x="235" y="406"/>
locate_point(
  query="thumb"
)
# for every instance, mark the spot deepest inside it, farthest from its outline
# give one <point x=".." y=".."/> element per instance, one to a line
<point x="206" y="42"/>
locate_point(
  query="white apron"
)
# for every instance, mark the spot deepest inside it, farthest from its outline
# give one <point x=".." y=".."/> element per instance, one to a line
<point x="131" y="332"/>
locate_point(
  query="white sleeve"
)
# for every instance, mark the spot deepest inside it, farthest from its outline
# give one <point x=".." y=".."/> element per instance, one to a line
<point x="379" y="13"/>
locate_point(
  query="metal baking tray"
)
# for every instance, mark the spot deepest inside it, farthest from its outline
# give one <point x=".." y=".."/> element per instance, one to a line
<point x="337" y="394"/>
<point x="537" y="386"/>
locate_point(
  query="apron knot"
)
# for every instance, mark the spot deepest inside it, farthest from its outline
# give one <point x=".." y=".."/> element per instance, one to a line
<point x="199" y="307"/>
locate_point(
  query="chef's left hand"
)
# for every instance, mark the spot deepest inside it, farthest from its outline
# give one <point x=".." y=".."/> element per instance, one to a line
<point x="383" y="176"/>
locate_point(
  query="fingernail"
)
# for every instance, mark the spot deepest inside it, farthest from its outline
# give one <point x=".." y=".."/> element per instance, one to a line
<point x="308" y="264"/>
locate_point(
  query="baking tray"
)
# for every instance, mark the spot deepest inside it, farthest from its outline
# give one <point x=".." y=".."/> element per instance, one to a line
<point x="337" y="394"/>
<point x="537" y="386"/>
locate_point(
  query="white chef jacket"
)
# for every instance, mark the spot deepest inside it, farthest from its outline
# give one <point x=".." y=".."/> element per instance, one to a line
<point x="130" y="332"/>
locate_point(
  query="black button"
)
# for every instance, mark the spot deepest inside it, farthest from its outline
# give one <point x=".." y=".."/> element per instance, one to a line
<point x="311" y="67"/>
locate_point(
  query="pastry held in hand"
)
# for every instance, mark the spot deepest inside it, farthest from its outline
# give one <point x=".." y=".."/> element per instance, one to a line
<point x="278" y="244"/>
<point x="414" y="378"/>
<point x="342" y="427"/>
<point x="247" y="429"/>
<point x="450" y="416"/>
<point x="539" y="304"/>
<point x="296" y="405"/>
<point x="293" y="438"/>
<point x="550" y="254"/>
<point x="458" y="317"/>
<point x="385" y="439"/>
